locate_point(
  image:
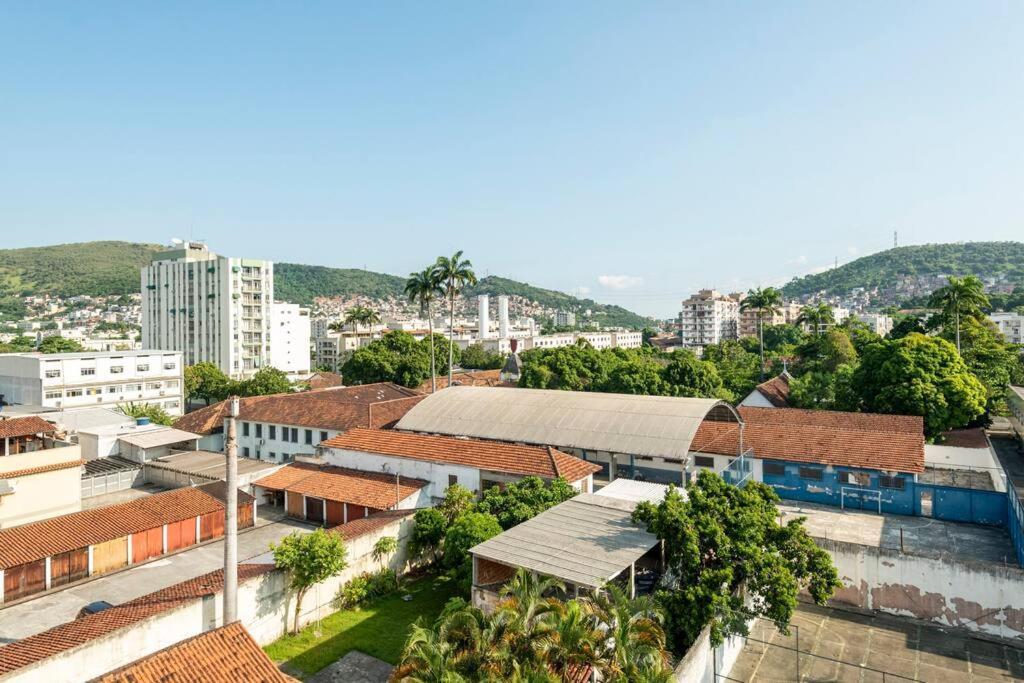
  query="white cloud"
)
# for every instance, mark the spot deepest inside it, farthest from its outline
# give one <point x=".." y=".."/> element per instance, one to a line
<point x="620" y="281"/>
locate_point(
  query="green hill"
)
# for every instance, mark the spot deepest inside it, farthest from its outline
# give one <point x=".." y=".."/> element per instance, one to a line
<point x="885" y="269"/>
<point x="104" y="268"/>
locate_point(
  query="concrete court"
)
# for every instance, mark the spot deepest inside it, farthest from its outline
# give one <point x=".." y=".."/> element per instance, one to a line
<point x="52" y="609"/>
<point x="355" y="667"/>
<point x="870" y="644"/>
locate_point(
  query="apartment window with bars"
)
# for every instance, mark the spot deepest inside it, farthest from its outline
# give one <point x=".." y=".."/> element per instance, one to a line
<point x="259" y="430"/>
<point x="309" y="436"/>
<point x="271" y="431"/>
<point x="897" y="483"/>
<point x="704" y="461"/>
<point x="87" y="371"/>
<point x="813" y="473"/>
<point x="50" y="374"/>
<point x="776" y="468"/>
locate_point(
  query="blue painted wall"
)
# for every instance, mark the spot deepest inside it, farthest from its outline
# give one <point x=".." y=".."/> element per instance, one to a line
<point x="1014" y="514"/>
<point x="829" y="490"/>
<point x="956" y="504"/>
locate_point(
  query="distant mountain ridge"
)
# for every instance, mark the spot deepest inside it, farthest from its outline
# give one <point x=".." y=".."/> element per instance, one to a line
<point x="887" y="270"/>
<point x="112" y="268"/>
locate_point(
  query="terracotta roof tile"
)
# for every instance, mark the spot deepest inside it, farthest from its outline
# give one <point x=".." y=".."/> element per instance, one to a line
<point x="340" y="484"/>
<point x="776" y="390"/>
<point x="468" y="378"/>
<point x="75" y="633"/>
<point x="37" y="540"/>
<point x="965" y="438"/>
<point x="364" y="525"/>
<point x="486" y="455"/>
<point x="324" y="380"/>
<point x="380" y="404"/>
<point x="53" y="467"/>
<point x="224" y="655"/>
<point x="882" y="442"/>
<point x="13" y="427"/>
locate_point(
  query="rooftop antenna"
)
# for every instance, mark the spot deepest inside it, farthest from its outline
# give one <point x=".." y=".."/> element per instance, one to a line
<point x="895" y="242"/>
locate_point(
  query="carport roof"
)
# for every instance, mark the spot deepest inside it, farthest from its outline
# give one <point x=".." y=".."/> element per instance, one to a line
<point x="158" y="437"/>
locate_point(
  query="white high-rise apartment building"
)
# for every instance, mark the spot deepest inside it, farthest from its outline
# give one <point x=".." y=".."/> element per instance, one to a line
<point x="211" y="308"/>
<point x="708" y="317"/>
<point x="289" y="338"/>
<point x="878" y="323"/>
<point x="67" y="381"/>
<point x="1011" y="325"/>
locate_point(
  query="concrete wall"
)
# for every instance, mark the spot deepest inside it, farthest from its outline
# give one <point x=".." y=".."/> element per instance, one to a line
<point x="702" y="664"/>
<point x="436" y="473"/>
<point x="39" y="496"/>
<point x="957" y="458"/>
<point x="265" y="606"/>
<point x="977" y="596"/>
<point x="829" y="490"/>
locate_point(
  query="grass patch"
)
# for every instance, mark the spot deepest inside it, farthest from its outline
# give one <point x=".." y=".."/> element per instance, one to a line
<point x="378" y="629"/>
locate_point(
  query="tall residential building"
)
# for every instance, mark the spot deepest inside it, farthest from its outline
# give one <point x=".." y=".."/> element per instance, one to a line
<point x="565" y="319"/>
<point x="787" y="315"/>
<point x="1011" y="325"/>
<point x="878" y="323"/>
<point x="67" y="381"/>
<point x="211" y="308"/>
<point x="289" y="338"/>
<point x="709" y="317"/>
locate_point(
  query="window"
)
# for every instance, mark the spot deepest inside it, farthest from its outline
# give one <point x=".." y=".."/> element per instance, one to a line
<point x="170" y="404"/>
<point x="272" y="429"/>
<point x="273" y="455"/>
<point x="245" y="449"/>
<point x="259" y="430"/>
<point x="142" y="367"/>
<point x="776" y="468"/>
<point x="111" y="390"/>
<point x="704" y="461"/>
<point x="171" y="384"/>
<point x="87" y="371"/>
<point x="245" y="431"/>
<point x="116" y="369"/>
<point x="323" y="436"/>
<point x="93" y="391"/>
<point x="74" y="392"/>
<point x="53" y="373"/>
<point x="309" y="436"/>
<point x="133" y="387"/>
<point x="488" y="484"/>
<point x="897" y="483"/>
<point x="53" y="394"/>
<point x="295" y="434"/>
<point x="815" y="473"/>
<point x="169" y="366"/>
<point x="855" y="478"/>
<point x="453" y="479"/>
<point x="153" y="385"/>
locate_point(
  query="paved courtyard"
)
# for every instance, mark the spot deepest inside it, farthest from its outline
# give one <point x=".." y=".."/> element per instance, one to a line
<point x="866" y="646"/>
<point x="39" y="614"/>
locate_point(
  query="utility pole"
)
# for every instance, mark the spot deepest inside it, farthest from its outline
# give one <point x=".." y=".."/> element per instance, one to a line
<point x="895" y="242"/>
<point x="231" y="517"/>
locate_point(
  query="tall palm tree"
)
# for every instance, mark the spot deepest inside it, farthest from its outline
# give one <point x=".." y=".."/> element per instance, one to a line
<point x="816" y="316"/>
<point x="454" y="274"/>
<point x="962" y="296"/>
<point x="427" y="658"/>
<point x="633" y="648"/>
<point x="361" y="315"/>
<point x="575" y="641"/>
<point x="522" y="599"/>
<point x="423" y="288"/>
<point x="765" y="302"/>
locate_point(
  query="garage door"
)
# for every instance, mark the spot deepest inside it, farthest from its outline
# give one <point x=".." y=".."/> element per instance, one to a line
<point x="147" y="544"/>
<point x="244" y="516"/>
<point x="355" y="511"/>
<point x="110" y="555"/>
<point x="335" y="513"/>
<point x="295" y="505"/>
<point x="68" y="567"/>
<point x="24" y="579"/>
<point x="211" y="525"/>
<point x="315" y="509"/>
<point x="181" y="534"/>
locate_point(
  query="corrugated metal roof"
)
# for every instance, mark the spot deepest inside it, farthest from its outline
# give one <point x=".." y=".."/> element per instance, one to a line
<point x="586" y="540"/>
<point x="635" y="491"/>
<point x="158" y="437"/>
<point x="619" y="423"/>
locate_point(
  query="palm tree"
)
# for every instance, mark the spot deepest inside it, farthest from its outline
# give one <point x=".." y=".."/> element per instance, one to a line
<point x="575" y="641"/>
<point x="522" y="599"/>
<point x="424" y="288"/>
<point x="453" y="274"/>
<point x="962" y="296"/>
<point x="816" y="316"/>
<point x="361" y="315"/>
<point x="766" y="302"/>
<point x="427" y="658"/>
<point x="633" y="648"/>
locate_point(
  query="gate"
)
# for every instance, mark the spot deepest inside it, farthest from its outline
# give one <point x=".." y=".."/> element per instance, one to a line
<point x="854" y="498"/>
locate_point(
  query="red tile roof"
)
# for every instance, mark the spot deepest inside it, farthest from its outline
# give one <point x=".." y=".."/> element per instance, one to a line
<point x="37" y="540"/>
<point x="486" y="455"/>
<point x="468" y="378"/>
<point x="776" y="390"/>
<point x="324" y="380"/>
<point x="12" y="427"/>
<point x="224" y="655"/>
<point x="371" y="489"/>
<point x="965" y="438"/>
<point x="53" y="467"/>
<point x="370" y="405"/>
<point x="75" y="633"/>
<point x="364" y="525"/>
<point x="881" y="442"/>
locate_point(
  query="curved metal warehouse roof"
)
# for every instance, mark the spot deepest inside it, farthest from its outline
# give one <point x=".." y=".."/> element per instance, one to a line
<point x="619" y="423"/>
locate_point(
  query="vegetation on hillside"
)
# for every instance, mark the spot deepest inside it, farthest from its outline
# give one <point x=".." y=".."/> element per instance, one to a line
<point x="984" y="259"/>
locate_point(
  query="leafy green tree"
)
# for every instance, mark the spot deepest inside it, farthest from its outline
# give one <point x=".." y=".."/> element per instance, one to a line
<point x="205" y="381"/>
<point x="454" y="274"/>
<point x="989" y="358"/>
<point x="817" y="317"/>
<point x="907" y="325"/>
<point x="783" y="338"/>
<point x="58" y="344"/>
<point x="153" y="411"/>
<point x="524" y="499"/>
<point x="396" y="357"/>
<point x="573" y="368"/>
<point x="266" y="381"/>
<point x="309" y="559"/>
<point x="424" y="288"/>
<point x="428" y="532"/>
<point x="963" y="296"/>
<point x="859" y="333"/>
<point x="470" y="529"/>
<point x="385" y="546"/>
<point x="638" y="375"/>
<point x="919" y="375"/>
<point x="721" y="538"/>
<point x="647" y="334"/>
<point x="738" y="368"/>
<point x="18" y="345"/>
<point x="476" y="357"/>
<point x="819" y="390"/>
<point x="690" y="376"/>
<point x="826" y="352"/>
<point x="361" y="315"/>
<point x="458" y="500"/>
<point x="764" y="302"/>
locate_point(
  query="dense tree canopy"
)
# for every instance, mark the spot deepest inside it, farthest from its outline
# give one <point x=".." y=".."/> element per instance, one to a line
<point x="397" y="357"/>
<point x="309" y="559"/>
<point x="58" y="344"/>
<point x="476" y="357"/>
<point x="519" y="501"/>
<point x="721" y="538"/>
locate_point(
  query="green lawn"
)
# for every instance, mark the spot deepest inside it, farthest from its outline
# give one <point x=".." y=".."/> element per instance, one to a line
<point x="379" y="629"/>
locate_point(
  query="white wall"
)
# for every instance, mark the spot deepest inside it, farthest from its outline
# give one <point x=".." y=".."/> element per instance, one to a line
<point x="949" y="590"/>
<point x="289" y="338"/>
<point x="44" y="495"/>
<point x="436" y="473"/>
<point x="757" y="400"/>
<point x="955" y="458"/>
<point x="278" y="446"/>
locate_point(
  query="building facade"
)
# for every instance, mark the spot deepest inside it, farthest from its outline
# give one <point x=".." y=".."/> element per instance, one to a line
<point x="68" y="381"/>
<point x="289" y="338"/>
<point x="565" y="319"/>
<point x="210" y="308"/>
<point x="787" y="315"/>
<point x="878" y="323"/>
<point x="1011" y="325"/>
<point x="709" y="317"/>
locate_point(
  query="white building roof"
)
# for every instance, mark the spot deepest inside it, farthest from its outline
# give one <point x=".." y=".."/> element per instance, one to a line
<point x="587" y="540"/>
<point x="635" y="491"/>
<point x="617" y="423"/>
<point x="165" y="436"/>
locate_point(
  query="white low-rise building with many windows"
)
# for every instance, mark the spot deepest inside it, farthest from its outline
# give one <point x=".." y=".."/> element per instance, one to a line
<point x="67" y="381"/>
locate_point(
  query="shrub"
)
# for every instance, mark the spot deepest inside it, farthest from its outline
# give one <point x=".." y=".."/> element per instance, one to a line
<point x="368" y="586"/>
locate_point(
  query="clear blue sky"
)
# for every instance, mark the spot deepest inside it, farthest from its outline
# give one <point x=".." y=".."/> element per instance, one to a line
<point x="636" y="151"/>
